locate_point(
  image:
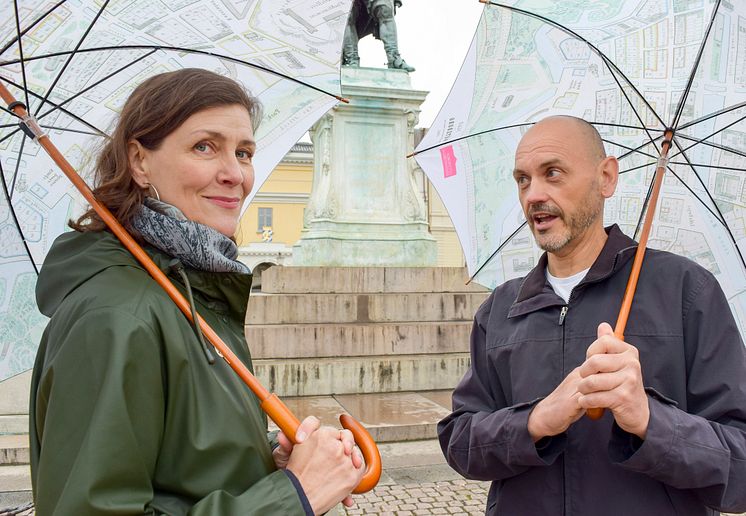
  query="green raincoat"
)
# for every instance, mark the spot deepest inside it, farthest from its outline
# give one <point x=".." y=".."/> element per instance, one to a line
<point x="127" y="416"/>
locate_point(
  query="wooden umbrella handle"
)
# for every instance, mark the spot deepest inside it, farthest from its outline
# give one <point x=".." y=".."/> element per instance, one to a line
<point x="634" y="275"/>
<point x="288" y="423"/>
<point x="270" y="403"/>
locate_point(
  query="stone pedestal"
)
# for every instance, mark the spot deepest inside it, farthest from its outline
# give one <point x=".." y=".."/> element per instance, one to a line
<point x="365" y="208"/>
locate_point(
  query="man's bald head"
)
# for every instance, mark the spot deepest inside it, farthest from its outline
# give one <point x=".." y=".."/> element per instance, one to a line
<point x="587" y="135"/>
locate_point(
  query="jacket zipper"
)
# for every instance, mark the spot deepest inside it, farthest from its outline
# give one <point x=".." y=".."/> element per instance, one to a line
<point x="561" y="322"/>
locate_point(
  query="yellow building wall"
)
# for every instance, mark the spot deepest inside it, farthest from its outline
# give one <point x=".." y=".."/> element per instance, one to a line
<point x="289" y="186"/>
<point x="441" y="227"/>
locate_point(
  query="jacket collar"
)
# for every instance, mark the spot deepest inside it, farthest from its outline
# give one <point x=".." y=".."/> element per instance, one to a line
<point x="535" y="293"/>
<point x="221" y="292"/>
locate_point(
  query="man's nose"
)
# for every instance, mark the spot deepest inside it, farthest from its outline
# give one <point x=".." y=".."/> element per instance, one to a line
<point x="535" y="193"/>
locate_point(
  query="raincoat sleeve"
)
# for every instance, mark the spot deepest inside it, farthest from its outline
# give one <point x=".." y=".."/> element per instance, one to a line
<point x="484" y="438"/>
<point x="701" y="449"/>
<point x="99" y="416"/>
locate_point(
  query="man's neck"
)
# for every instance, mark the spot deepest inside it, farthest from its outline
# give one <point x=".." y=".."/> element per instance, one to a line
<point x="577" y="256"/>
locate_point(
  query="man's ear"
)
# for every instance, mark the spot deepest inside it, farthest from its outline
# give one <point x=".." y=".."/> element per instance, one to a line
<point x="609" y="170"/>
<point x="136" y="155"/>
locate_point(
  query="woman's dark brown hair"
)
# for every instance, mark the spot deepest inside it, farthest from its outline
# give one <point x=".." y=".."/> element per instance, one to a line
<point x="156" y="108"/>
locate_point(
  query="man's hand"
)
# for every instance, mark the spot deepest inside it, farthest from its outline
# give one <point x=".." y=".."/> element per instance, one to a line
<point x="555" y="413"/>
<point x="612" y="379"/>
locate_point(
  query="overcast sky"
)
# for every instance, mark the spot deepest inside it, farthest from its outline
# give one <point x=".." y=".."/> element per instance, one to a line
<point x="434" y="36"/>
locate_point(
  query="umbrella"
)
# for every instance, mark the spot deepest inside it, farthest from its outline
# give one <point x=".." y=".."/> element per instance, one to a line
<point x="71" y="64"/>
<point x="656" y="78"/>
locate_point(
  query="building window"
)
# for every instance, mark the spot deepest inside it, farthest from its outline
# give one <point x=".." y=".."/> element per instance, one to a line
<point x="265" y="219"/>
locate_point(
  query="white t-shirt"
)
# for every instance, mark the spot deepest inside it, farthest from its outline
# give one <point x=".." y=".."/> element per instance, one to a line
<point x="563" y="286"/>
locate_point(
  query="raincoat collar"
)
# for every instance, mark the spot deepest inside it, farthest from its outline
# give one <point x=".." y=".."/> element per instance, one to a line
<point x="221" y="292"/>
<point x="76" y="257"/>
<point x="535" y="293"/>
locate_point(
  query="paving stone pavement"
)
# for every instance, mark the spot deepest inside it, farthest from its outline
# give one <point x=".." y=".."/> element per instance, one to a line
<point x="444" y="497"/>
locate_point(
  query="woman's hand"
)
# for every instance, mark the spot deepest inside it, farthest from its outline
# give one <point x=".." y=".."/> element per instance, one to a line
<point x="325" y="462"/>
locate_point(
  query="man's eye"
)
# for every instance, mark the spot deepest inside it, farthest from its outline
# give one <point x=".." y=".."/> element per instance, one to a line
<point x="243" y="154"/>
<point x="553" y="172"/>
<point x="521" y="180"/>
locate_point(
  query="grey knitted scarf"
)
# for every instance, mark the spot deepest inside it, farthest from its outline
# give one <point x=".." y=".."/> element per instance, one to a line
<point x="198" y="246"/>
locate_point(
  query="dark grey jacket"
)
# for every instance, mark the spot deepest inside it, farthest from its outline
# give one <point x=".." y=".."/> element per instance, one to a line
<point x="694" y="369"/>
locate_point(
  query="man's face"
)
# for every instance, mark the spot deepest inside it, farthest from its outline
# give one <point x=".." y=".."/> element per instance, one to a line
<point x="559" y="184"/>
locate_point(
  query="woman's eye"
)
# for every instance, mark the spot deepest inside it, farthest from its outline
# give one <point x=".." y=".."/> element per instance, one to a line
<point x="201" y="147"/>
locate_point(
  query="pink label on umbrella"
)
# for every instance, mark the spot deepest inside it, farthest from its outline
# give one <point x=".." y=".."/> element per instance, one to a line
<point x="448" y="158"/>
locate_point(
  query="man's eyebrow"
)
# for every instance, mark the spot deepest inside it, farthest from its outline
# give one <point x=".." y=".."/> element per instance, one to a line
<point x="220" y="136"/>
<point x="543" y="165"/>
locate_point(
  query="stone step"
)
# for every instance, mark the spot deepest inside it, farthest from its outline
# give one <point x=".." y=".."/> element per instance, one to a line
<point x="350" y="340"/>
<point x="298" y="280"/>
<point x="369" y="374"/>
<point x="13" y="424"/>
<point x="392" y="417"/>
<point x="14" y="449"/>
<point x="15" y="486"/>
<point x="362" y="308"/>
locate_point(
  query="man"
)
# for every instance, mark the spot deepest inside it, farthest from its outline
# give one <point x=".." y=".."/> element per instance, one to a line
<point x="373" y="17"/>
<point x="672" y="440"/>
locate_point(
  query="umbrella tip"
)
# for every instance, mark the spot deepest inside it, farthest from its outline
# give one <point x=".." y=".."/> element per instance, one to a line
<point x="484" y="1"/>
<point x="342" y="99"/>
<point x="411" y="154"/>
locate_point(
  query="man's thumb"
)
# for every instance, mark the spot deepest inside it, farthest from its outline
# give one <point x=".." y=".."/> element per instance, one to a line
<point x="604" y="329"/>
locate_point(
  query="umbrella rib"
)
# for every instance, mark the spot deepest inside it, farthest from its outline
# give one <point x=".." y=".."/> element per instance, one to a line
<point x="696" y="196"/>
<point x="720" y="219"/>
<point x="631" y="149"/>
<point x="68" y="113"/>
<point x="71" y="56"/>
<point x="638" y="167"/>
<point x="637" y="149"/>
<point x="644" y="207"/>
<point x="176" y="49"/>
<point x="20" y="51"/>
<point x="34" y="24"/>
<point x="81" y="92"/>
<point x="18" y="165"/>
<point x="600" y="54"/>
<point x="702" y="140"/>
<point x="712" y="115"/>
<point x="690" y="82"/>
<point x="10" y="112"/>
<point x="474" y="135"/>
<point x="500" y="247"/>
<point x="699" y="178"/>
<point x="487" y="131"/>
<point x="15" y="219"/>
<point x="710" y="144"/>
<point x="719" y="167"/>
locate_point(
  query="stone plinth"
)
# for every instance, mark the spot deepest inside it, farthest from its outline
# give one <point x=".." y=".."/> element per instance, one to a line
<point x="365" y="208"/>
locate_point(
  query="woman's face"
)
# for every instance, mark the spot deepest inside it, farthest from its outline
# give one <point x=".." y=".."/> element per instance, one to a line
<point x="203" y="167"/>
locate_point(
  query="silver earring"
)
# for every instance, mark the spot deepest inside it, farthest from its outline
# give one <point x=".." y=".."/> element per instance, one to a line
<point x="155" y="191"/>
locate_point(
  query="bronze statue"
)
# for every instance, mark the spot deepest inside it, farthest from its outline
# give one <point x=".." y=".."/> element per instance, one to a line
<point x="373" y="17"/>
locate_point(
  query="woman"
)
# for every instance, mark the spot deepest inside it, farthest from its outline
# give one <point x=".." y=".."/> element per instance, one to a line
<point x="130" y="413"/>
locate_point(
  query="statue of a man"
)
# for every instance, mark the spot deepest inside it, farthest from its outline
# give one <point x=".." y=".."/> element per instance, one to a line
<point x="373" y="17"/>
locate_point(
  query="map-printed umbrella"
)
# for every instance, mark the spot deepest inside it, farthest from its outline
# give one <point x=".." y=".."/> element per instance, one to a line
<point x="644" y="72"/>
<point x="72" y="64"/>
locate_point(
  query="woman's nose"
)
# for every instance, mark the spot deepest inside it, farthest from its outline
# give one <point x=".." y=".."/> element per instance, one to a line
<point x="231" y="171"/>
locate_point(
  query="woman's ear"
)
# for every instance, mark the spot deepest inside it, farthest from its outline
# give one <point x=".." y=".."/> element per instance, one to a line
<point x="136" y="155"/>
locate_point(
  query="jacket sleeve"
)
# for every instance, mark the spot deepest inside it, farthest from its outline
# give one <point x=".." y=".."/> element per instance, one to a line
<point x="99" y="410"/>
<point x="484" y="438"/>
<point x="703" y="448"/>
